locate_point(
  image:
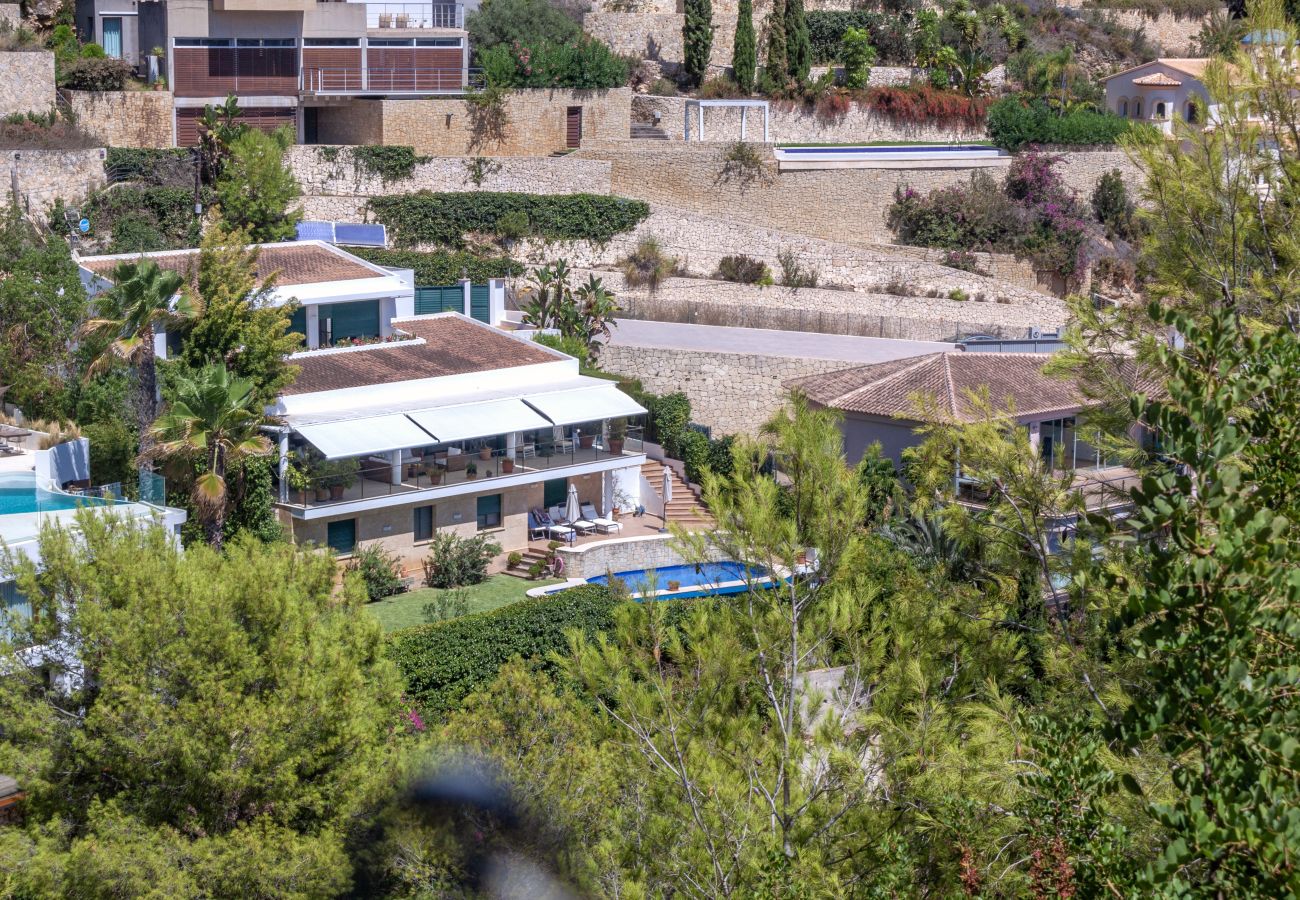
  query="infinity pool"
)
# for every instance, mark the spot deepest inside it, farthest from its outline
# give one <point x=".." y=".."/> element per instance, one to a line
<point x="19" y="494"/>
<point x="704" y="580"/>
<point x="889" y="157"/>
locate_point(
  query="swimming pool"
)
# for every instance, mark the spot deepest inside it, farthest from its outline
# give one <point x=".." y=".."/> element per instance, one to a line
<point x="704" y="580"/>
<point x="20" y="494"/>
<point x="895" y="157"/>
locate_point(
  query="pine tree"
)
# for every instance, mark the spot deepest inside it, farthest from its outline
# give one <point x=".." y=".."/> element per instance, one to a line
<point x="774" y="74"/>
<point x="697" y="39"/>
<point x="743" y="50"/>
<point x="798" y="43"/>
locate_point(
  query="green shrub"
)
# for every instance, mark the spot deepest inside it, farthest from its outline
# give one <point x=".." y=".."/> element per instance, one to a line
<point x="513" y="226"/>
<point x="93" y="51"/>
<point x="387" y="162"/>
<point x="379" y="571"/>
<point x="442" y="267"/>
<point x="1112" y="206"/>
<point x="150" y="218"/>
<point x="888" y="34"/>
<point x="446" y="218"/>
<point x="455" y="561"/>
<point x="112" y="451"/>
<point x="569" y="344"/>
<point x="694" y="453"/>
<point x="1013" y="124"/>
<point x="672" y="413"/>
<point x="744" y="269"/>
<point x="793" y="273"/>
<point x="858" y="57"/>
<point x="647" y="266"/>
<point x="508" y="21"/>
<point x="444" y="662"/>
<point x="91" y="74"/>
<point x="582" y="64"/>
<point x="721" y="460"/>
<point x="171" y="166"/>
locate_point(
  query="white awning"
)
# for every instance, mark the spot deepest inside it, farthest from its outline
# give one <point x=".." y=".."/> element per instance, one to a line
<point x="584" y="404"/>
<point x="472" y="420"/>
<point x="356" y="437"/>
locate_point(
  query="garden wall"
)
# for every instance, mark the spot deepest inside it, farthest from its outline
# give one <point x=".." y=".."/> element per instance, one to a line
<point x="1175" y="34"/>
<point x="320" y="175"/>
<point x="705" y="302"/>
<point x="644" y="552"/>
<point x="40" y="177"/>
<point x="125" y="118"/>
<point x="26" y="82"/>
<point x="533" y="123"/>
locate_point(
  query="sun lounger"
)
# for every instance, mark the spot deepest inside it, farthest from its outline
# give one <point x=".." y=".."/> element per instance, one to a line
<point x="582" y="526"/>
<point x="540" y="522"/>
<point x="603" y="525"/>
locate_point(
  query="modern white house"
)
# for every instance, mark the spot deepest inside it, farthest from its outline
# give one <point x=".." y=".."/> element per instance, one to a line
<point x="1160" y="92"/>
<point x="457" y="425"/>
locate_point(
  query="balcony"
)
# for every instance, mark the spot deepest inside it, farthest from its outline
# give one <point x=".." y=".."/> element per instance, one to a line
<point x="404" y="16"/>
<point x="326" y="81"/>
<point x="435" y="473"/>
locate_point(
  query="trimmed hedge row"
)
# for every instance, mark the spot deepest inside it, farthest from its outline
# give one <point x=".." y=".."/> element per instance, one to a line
<point x="446" y="267"/>
<point x="1013" y="124"/>
<point x="444" y="662"/>
<point x="445" y="218"/>
<point x="890" y="35"/>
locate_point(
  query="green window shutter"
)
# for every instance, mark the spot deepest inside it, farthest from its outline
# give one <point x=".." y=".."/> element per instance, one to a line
<point x="341" y="536"/>
<point x="423" y="526"/>
<point x="489" y="511"/>
<point x="479" y="304"/>
<point x="438" y="299"/>
<point x="349" y="320"/>
<point x="555" y="492"/>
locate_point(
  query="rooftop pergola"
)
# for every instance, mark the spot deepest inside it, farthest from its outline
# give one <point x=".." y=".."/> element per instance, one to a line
<point x="744" y="106"/>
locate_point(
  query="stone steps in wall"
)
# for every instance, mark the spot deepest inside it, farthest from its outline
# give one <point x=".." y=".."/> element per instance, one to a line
<point x="642" y="132"/>
<point x="684" y="509"/>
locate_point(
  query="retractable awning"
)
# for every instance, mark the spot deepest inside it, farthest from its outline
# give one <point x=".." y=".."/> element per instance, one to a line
<point x="472" y="420"/>
<point x="357" y="437"/>
<point x="584" y="404"/>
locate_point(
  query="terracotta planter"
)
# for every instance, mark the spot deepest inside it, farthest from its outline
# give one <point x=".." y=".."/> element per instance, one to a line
<point x="470" y="476"/>
<point x="336" y="492"/>
<point x="586" y="441"/>
<point x="485" y="453"/>
<point x="507" y="466"/>
<point x="302" y="497"/>
<point x="616" y="446"/>
<point x="435" y="476"/>
<point x="322" y="494"/>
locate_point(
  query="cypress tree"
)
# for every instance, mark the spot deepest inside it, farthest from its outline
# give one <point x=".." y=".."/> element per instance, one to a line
<point x="798" y="43"/>
<point x="774" y="69"/>
<point x="743" y="50"/>
<point x="697" y="39"/>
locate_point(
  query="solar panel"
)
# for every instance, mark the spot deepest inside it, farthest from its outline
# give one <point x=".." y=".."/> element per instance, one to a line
<point x="359" y="235"/>
<point x="316" y="231"/>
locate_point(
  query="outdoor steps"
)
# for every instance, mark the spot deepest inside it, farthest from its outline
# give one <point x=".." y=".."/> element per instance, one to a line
<point x="531" y="555"/>
<point x="648" y="132"/>
<point x="684" y="509"/>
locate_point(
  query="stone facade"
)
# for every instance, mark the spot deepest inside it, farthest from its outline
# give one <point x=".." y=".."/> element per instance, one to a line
<point x="733" y="393"/>
<point x="533" y="123"/>
<point x="705" y="302"/>
<point x="789" y="123"/>
<point x="1175" y="35"/>
<point x="125" y="118"/>
<point x="319" y="175"/>
<point x="26" y="82"/>
<point x="40" y="177"/>
<point x="652" y="551"/>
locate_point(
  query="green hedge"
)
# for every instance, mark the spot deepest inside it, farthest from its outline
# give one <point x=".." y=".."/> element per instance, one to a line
<point x="446" y="661"/>
<point x="443" y="268"/>
<point x="1013" y="124"/>
<point x="446" y="218"/>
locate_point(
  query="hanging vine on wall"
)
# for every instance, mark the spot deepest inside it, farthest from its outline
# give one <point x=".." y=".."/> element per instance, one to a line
<point x="387" y="163"/>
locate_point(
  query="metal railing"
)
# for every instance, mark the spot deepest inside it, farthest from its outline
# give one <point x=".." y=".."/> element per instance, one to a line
<point x="389" y="80"/>
<point x="415" y="15"/>
<point x="373" y="476"/>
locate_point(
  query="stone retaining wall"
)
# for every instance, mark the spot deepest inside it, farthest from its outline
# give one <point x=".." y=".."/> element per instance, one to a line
<point x="26" y="82"/>
<point x="40" y="177"/>
<point x="1176" y="35"/>
<point x="325" y="171"/>
<point x="125" y="118"/>
<point x="706" y="302"/>
<point x="732" y="393"/>
<point x="653" y="551"/>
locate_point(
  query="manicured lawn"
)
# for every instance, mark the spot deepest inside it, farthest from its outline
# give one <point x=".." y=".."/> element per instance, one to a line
<point x="405" y="610"/>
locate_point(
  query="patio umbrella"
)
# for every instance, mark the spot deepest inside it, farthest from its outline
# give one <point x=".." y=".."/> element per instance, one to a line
<point x="668" y="485"/>
<point x="572" y="511"/>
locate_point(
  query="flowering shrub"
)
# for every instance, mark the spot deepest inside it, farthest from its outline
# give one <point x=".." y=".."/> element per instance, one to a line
<point x="917" y="103"/>
<point x="1031" y="214"/>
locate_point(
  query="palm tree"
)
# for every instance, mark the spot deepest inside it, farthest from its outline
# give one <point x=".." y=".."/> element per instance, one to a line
<point x="215" y="418"/>
<point x="139" y="303"/>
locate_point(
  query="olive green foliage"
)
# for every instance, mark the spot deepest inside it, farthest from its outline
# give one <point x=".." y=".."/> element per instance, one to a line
<point x="455" y="561"/>
<point x="201" y="760"/>
<point x="570" y="345"/>
<point x="798" y="45"/>
<point x="1113" y="208"/>
<point x="379" y="571"/>
<point x="697" y="39"/>
<point x="693" y="447"/>
<point x="648" y="265"/>
<point x="1013" y="124"/>
<point x="388" y="163"/>
<point x="255" y="188"/>
<point x="743" y="269"/>
<point x="774" y="66"/>
<point x="140" y="218"/>
<point x="444" y="662"/>
<point x="112" y="451"/>
<point x="42" y="304"/>
<point x="95" y="74"/>
<point x="252" y="498"/>
<point x="581" y="64"/>
<point x="522" y="21"/>
<point x="446" y="219"/>
<point x="858" y="56"/>
<point x="444" y="267"/>
<point x="672" y="415"/>
<point x="744" y="48"/>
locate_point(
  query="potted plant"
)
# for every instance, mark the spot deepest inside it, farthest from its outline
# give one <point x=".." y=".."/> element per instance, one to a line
<point x="617" y="435"/>
<point x="299" y="480"/>
<point x="674" y="585"/>
<point x="507" y="465"/>
<point x="514" y="559"/>
<point x="339" y="475"/>
<point x="485" y="452"/>
<point x="586" y="440"/>
<point x="160" y="84"/>
<point x="471" y="470"/>
<point x="434" y="471"/>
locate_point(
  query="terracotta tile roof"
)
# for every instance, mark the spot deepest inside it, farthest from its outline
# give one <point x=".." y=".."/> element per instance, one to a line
<point x="890" y="388"/>
<point x="1158" y="79"/>
<point x="453" y="345"/>
<point x="1193" y="66"/>
<point x="295" y="264"/>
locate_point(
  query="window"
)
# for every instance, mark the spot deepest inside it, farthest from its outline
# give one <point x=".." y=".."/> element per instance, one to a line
<point x="341" y="536"/>
<point x="1160" y="110"/>
<point x="489" y="512"/>
<point x="423" y="523"/>
<point x="1192" y="115"/>
<point x="389" y="42"/>
<point x="267" y="42"/>
<point x="1123" y="107"/>
<point x="1137" y="109"/>
<point x="436" y="42"/>
<point x="112" y="42"/>
<point x="331" y="42"/>
<point x="203" y="42"/>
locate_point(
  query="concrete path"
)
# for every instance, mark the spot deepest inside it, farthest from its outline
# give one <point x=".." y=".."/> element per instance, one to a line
<point x="767" y="342"/>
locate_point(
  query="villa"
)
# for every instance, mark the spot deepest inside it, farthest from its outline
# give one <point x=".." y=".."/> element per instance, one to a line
<point x="1158" y="92"/>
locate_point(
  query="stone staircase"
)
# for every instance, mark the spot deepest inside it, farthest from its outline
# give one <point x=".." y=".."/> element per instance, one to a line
<point x="644" y="132"/>
<point x="684" y="509"/>
<point x="531" y="555"/>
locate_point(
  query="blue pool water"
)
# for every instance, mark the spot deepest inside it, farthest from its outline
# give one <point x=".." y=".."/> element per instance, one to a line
<point x="19" y="494"/>
<point x="696" y="581"/>
<point x="902" y="148"/>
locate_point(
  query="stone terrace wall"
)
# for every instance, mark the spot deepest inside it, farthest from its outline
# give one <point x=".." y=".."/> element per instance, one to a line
<point x="535" y="122"/>
<point x="42" y="176"/>
<point x="733" y="393"/>
<point x="1176" y="35"/>
<point x="26" y="82"/>
<point x="125" y="118"/>
<point x="844" y="205"/>
<point x="644" y="552"/>
<point x="320" y="176"/>
<point x="705" y="302"/>
<point x="789" y="123"/>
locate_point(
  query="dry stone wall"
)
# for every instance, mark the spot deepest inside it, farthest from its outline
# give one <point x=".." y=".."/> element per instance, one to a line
<point x="38" y="178"/>
<point x="125" y="118"/>
<point x="325" y="171"/>
<point x="26" y="82"/>
<point x="11" y="15"/>
<point x="1175" y="35"/>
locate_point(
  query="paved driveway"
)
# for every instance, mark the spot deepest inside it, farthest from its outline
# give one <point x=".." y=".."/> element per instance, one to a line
<point x="768" y="342"/>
